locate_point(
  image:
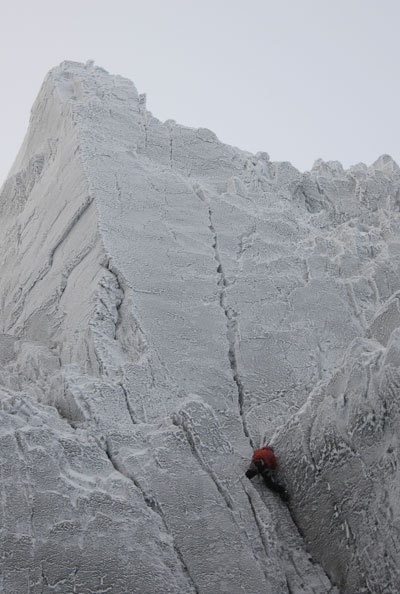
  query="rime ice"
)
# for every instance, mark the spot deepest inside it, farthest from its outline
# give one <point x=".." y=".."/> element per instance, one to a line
<point x="168" y="302"/>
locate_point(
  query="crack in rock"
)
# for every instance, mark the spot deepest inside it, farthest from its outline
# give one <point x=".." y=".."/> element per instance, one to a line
<point x="128" y="404"/>
<point x="181" y="422"/>
<point x="232" y="330"/>
<point x="154" y="505"/>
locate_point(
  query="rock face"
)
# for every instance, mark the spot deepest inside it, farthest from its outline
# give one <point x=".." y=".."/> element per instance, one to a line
<point x="168" y="303"/>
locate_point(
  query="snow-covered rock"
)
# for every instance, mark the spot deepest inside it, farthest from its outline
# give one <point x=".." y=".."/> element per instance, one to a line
<point x="342" y="458"/>
<point x="168" y="303"/>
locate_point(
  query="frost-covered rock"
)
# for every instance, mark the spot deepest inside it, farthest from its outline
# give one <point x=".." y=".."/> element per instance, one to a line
<point x="342" y="457"/>
<point x="168" y="303"/>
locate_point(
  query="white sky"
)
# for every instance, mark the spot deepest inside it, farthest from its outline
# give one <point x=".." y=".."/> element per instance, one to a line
<point x="300" y="79"/>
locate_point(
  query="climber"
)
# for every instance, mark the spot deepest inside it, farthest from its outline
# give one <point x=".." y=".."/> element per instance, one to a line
<point x="264" y="463"/>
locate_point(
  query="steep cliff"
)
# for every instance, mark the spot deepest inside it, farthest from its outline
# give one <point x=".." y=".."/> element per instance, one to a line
<point x="168" y="303"/>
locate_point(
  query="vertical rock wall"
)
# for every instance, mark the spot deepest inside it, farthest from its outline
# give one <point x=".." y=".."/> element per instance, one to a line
<point x="168" y="303"/>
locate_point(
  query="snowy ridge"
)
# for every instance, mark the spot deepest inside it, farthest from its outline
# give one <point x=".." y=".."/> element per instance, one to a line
<point x="168" y="302"/>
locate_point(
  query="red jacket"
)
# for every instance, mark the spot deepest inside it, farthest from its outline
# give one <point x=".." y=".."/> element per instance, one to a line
<point x="266" y="455"/>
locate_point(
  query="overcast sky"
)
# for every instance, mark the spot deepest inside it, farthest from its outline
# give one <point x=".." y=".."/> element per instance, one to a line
<point x="300" y="79"/>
